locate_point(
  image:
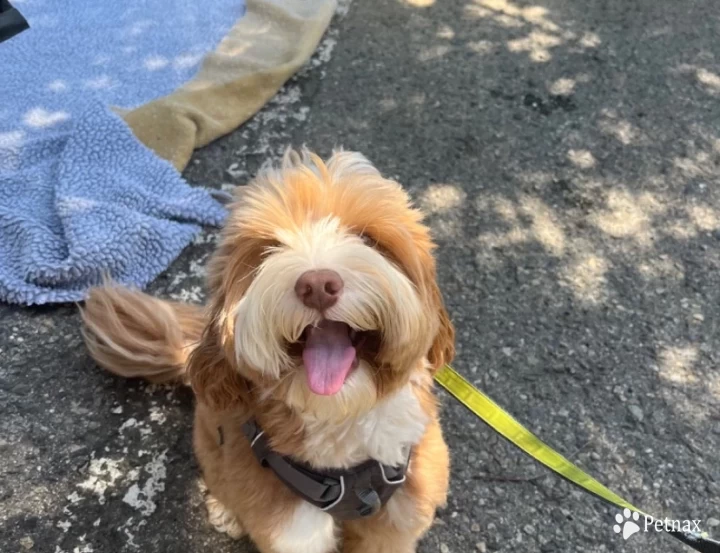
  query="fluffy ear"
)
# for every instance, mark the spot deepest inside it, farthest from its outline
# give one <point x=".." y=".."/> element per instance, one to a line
<point x="213" y="378"/>
<point x="442" y="350"/>
<point x="213" y="364"/>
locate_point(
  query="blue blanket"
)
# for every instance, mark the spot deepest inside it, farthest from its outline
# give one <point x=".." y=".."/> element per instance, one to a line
<point x="80" y="197"/>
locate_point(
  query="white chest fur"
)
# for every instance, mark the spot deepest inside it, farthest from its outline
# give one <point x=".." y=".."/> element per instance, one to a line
<point x="309" y="530"/>
<point x="385" y="433"/>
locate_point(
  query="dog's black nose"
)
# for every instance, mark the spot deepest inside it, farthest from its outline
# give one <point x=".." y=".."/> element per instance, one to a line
<point x="319" y="289"/>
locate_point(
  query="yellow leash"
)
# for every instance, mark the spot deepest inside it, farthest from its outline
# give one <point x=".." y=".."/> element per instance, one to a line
<point x="504" y="424"/>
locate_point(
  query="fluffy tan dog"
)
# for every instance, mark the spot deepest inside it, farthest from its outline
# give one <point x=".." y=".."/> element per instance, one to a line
<point x="324" y="328"/>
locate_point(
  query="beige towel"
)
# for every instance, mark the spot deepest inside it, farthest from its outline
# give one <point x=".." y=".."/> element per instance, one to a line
<point x="263" y="50"/>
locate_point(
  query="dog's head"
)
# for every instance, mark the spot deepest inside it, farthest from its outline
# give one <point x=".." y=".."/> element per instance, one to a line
<point x="324" y="292"/>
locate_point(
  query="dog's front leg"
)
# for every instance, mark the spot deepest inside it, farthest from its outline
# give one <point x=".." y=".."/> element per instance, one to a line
<point x="306" y="530"/>
<point x="396" y="529"/>
<point x="378" y="536"/>
<point x="408" y="515"/>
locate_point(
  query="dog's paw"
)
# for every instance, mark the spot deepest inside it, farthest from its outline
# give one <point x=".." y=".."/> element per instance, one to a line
<point x="222" y="519"/>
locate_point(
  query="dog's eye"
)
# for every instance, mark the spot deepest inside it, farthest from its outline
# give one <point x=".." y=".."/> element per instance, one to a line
<point x="369" y="240"/>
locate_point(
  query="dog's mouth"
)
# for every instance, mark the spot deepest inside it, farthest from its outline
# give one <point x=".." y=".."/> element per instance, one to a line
<point x="330" y="351"/>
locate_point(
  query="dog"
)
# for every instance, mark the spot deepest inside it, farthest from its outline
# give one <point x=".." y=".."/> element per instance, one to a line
<point x="316" y="426"/>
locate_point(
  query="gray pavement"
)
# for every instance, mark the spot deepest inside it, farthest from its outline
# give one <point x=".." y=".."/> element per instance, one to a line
<point x="568" y="156"/>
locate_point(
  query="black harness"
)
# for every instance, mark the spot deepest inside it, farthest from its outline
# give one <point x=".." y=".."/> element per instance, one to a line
<point x="348" y="494"/>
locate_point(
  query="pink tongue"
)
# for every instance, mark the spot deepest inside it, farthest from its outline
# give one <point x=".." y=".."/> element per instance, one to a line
<point x="328" y="357"/>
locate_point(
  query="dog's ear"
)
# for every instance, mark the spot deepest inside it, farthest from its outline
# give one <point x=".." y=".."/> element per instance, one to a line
<point x="442" y="350"/>
<point x="213" y="377"/>
<point x="419" y="264"/>
<point x="213" y="366"/>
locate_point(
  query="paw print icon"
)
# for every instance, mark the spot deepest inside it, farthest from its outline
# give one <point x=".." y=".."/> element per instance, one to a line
<point x="627" y="523"/>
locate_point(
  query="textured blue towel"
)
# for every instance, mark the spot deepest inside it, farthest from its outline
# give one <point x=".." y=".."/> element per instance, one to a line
<point x="80" y="197"/>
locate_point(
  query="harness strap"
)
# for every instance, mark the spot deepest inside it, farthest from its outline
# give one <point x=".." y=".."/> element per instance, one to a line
<point x="325" y="490"/>
<point x="348" y="494"/>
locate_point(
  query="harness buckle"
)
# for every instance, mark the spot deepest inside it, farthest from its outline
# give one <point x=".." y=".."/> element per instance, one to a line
<point x="371" y="502"/>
